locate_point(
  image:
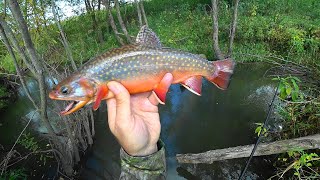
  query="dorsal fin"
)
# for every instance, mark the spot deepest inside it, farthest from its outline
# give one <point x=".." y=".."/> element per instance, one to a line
<point x="146" y="37"/>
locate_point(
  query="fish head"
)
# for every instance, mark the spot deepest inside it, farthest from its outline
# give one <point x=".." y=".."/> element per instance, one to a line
<point x="79" y="90"/>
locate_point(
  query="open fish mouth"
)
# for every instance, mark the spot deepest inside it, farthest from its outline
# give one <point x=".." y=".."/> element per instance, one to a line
<point x="73" y="107"/>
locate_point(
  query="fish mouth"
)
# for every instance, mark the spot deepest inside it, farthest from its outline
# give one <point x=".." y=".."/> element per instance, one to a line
<point x="73" y="107"/>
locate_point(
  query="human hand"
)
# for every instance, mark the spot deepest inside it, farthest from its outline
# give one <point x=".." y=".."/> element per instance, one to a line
<point x="134" y="120"/>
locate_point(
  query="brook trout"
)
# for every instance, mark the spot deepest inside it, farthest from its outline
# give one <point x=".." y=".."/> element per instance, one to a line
<point x="139" y="67"/>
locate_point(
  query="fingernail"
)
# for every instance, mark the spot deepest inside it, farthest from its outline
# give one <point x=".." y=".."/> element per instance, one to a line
<point x="168" y="76"/>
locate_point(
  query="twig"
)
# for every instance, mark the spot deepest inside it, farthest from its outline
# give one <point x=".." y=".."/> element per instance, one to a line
<point x="300" y="102"/>
<point x="8" y="74"/>
<point x="26" y="156"/>
<point x="124" y="34"/>
<point x="9" y="153"/>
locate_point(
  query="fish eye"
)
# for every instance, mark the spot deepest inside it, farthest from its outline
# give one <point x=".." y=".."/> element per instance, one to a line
<point x="64" y="90"/>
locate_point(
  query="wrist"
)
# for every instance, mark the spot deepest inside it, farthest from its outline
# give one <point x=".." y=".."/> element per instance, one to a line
<point x="150" y="149"/>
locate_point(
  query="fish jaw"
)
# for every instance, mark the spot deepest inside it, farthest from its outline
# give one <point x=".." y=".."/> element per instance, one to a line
<point x="74" y="106"/>
<point x="79" y="90"/>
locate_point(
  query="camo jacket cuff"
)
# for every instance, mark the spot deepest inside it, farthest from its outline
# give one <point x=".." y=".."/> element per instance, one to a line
<point x="152" y="166"/>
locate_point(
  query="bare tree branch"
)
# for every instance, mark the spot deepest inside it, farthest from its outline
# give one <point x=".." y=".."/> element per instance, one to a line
<point x="216" y="48"/>
<point x="64" y="39"/>
<point x="139" y="12"/>
<point x="123" y="26"/>
<point x="10" y="50"/>
<point x="143" y="13"/>
<point x="16" y="12"/>
<point x="15" y="43"/>
<point x="112" y="23"/>
<point x="233" y="27"/>
<point x="6" y="161"/>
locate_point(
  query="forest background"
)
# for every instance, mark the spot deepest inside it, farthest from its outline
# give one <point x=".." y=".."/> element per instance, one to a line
<point x="285" y="33"/>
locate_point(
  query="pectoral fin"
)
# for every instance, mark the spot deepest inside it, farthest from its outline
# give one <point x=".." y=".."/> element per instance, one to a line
<point x="161" y="91"/>
<point x="101" y="93"/>
<point x="193" y="84"/>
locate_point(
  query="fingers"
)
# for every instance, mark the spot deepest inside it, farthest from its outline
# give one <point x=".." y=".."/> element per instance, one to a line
<point x="120" y="107"/>
<point x="111" y="105"/>
<point x="166" y="82"/>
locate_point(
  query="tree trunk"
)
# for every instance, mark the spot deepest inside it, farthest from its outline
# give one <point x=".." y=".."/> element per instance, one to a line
<point x="10" y="50"/>
<point x="15" y="43"/>
<point x="92" y="123"/>
<point x="139" y="13"/>
<point x="216" y="48"/>
<point x="233" y="27"/>
<point x="123" y="26"/>
<point x="95" y="27"/>
<point x="71" y="137"/>
<point x="111" y="21"/>
<point x="22" y="26"/>
<point x="87" y="130"/>
<point x="78" y="132"/>
<point x="43" y="14"/>
<point x="143" y="13"/>
<point x="263" y="149"/>
<point x="64" y="39"/>
<point x="99" y="5"/>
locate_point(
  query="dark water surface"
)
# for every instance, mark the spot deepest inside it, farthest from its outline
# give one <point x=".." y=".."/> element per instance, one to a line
<point x="190" y="124"/>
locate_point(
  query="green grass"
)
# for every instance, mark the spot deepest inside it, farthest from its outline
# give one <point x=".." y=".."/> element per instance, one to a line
<point x="288" y="28"/>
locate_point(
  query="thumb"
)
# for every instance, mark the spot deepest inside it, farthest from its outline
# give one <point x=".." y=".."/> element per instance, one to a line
<point x="122" y="97"/>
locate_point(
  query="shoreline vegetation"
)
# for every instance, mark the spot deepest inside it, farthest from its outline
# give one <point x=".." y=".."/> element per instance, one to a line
<point x="284" y="33"/>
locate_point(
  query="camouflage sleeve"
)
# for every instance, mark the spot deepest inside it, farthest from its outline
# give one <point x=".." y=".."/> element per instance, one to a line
<point x="152" y="166"/>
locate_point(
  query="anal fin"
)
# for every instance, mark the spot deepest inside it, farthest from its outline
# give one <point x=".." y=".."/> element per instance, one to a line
<point x="193" y="84"/>
<point x="101" y="93"/>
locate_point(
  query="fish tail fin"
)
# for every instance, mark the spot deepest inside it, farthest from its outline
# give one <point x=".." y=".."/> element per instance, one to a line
<point x="223" y="69"/>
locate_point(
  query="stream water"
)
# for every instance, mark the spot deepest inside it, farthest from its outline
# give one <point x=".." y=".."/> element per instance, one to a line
<point x="190" y="124"/>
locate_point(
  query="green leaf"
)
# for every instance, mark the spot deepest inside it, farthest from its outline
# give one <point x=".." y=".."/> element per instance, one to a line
<point x="296" y="78"/>
<point x="295" y="85"/>
<point x="258" y="130"/>
<point x="288" y="90"/>
<point x="294" y="96"/>
<point x="283" y="93"/>
<point x="309" y="164"/>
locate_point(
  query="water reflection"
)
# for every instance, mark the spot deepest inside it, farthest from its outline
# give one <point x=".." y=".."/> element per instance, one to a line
<point x="192" y="124"/>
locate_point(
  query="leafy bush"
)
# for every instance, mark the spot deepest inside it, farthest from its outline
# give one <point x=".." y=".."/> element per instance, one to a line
<point x="6" y="65"/>
<point x="14" y="174"/>
<point x="3" y="93"/>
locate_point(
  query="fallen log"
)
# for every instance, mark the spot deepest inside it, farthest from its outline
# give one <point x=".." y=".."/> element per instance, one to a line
<point x="276" y="147"/>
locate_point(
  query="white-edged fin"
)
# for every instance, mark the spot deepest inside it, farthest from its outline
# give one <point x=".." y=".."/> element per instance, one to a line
<point x="146" y="37"/>
<point x="191" y="90"/>
<point x="158" y="99"/>
<point x="193" y="84"/>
